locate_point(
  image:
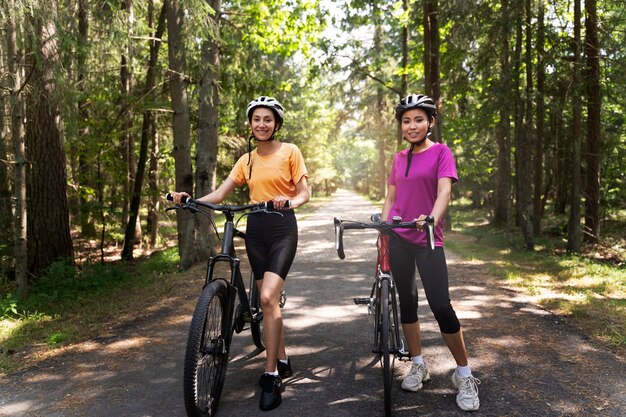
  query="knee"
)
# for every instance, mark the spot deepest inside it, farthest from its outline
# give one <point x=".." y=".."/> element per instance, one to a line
<point x="447" y="319"/>
<point x="268" y="301"/>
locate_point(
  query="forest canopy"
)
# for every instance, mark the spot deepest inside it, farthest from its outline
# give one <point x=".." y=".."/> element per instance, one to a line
<point x="108" y="105"/>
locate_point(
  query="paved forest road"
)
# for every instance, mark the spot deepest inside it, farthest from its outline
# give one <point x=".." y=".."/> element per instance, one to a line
<point x="530" y="362"/>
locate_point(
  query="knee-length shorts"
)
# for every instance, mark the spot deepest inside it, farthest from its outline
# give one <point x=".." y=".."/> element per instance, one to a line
<point x="271" y="242"/>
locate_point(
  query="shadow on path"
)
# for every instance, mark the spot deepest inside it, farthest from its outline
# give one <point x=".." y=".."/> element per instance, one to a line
<point x="530" y="362"/>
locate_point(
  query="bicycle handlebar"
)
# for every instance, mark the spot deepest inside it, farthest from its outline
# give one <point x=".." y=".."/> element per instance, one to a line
<point x="381" y="226"/>
<point x="264" y="205"/>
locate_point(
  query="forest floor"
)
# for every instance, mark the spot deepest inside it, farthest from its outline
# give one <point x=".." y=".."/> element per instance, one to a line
<point x="530" y="361"/>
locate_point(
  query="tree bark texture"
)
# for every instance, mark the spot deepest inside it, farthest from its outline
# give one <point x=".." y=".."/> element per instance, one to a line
<point x="18" y="133"/>
<point x="573" y="227"/>
<point x="181" y="129"/>
<point x="151" y="78"/>
<point x="208" y="126"/>
<point x="432" y="82"/>
<point x="48" y="213"/>
<point x="594" y="138"/>
<point x="540" y="112"/>
<point x="502" y="210"/>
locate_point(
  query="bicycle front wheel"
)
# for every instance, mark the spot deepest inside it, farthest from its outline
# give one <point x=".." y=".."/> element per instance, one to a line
<point x="206" y="355"/>
<point x="385" y="329"/>
<point x="256" y="323"/>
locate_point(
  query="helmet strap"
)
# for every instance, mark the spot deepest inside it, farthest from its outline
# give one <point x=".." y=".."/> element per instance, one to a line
<point x="408" y="161"/>
<point x="250" y="155"/>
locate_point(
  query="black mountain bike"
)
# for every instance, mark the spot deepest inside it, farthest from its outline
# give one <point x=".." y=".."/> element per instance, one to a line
<point x="382" y="304"/>
<point x="217" y="314"/>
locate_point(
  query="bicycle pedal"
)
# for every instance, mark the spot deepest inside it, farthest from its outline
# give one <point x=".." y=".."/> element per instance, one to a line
<point x="402" y="355"/>
<point x="361" y="301"/>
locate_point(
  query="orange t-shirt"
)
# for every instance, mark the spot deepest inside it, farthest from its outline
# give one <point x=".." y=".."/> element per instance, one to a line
<point x="273" y="175"/>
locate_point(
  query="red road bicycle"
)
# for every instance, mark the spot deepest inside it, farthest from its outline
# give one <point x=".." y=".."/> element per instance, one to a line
<point x="382" y="302"/>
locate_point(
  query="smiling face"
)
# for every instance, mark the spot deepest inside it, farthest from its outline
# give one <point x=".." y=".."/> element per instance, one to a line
<point x="263" y="123"/>
<point x="415" y="124"/>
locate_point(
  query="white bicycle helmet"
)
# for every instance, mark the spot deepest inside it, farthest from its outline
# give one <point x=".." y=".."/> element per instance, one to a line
<point x="416" y="101"/>
<point x="268" y="102"/>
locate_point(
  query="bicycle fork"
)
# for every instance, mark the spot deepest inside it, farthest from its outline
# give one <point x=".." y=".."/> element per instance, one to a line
<point x="398" y="348"/>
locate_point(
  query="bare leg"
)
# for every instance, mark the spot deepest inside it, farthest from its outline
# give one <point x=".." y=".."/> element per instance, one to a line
<point x="456" y="344"/>
<point x="413" y="337"/>
<point x="269" y="290"/>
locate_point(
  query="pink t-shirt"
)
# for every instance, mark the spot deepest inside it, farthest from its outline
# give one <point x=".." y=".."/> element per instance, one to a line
<point x="417" y="192"/>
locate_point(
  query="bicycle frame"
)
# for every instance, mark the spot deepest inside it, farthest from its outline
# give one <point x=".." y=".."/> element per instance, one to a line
<point x="236" y="286"/>
<point x="217" y="315"/>
<point x="383" y="273"/>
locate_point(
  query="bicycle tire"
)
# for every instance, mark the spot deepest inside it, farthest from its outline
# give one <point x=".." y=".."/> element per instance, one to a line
<point x="256" y="323"/>
<point x="385" y="330"/>
<point x="206" y="356"/>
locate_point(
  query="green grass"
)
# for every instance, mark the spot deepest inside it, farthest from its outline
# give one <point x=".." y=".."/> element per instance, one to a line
<point x="70" y="304"/>
<point x="589" y="288"/>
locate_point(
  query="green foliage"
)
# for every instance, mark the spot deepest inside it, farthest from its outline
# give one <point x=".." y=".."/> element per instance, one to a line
<point x="589" y="289"/>
<point x="8" y="306"/>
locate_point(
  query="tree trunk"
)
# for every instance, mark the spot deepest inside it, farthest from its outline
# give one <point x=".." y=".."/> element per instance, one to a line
<point x="84" y="169"/>
<point x="594" y="139"/>
<point x="525" y="149"/>
<point x="6" y="217"/>
<point x="404" y="78"/>
<point x="541" y="76"/>
<point x="48" y="214"/>
<point x="150" y="91"/>
<point x="518" y="106"/>
<point x="208" y="126"/>
<point x="502" y="211"/>
<point x="19" y="153"/>
<point x="431" y="62"/>
<point x="431" y="73"/>
<point x="181" y="130"/>
<point x="126" y="82"/>
<point x="573" y="227"/>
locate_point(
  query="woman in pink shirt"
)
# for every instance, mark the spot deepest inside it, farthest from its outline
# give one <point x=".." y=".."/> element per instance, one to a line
<point x="419" y="185"/>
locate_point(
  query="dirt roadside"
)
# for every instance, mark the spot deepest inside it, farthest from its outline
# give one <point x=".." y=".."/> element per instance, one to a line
<point x="530" y="362"/>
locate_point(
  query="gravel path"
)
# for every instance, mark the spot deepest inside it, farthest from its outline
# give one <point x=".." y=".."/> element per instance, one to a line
<point x="530" y="362"/>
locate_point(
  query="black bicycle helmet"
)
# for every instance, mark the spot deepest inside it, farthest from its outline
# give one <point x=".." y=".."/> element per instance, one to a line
<point x="416" y="101"/>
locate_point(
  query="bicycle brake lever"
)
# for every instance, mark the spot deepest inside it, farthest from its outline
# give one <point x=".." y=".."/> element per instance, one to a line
<point x="430" y="232"/>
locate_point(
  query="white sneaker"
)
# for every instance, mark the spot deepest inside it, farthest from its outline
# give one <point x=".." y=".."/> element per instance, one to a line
<point x="467" y="398"/>
<point x="417" y="375"/>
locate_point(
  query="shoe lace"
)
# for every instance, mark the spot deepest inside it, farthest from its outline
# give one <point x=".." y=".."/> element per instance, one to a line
<point x="418" y="368"/>
<point x="469" y="386"/>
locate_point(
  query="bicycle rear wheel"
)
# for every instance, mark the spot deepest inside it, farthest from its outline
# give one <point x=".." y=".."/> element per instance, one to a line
<point x="206" y="355"/>
<point x="385" y="331"/>
<point x="256" y="323"/>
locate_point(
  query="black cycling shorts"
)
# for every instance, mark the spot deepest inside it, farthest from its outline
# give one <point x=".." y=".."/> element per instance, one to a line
<point x="271" y="242"/>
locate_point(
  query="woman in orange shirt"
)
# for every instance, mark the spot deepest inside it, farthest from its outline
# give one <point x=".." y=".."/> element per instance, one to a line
<point x="276" y="172"/>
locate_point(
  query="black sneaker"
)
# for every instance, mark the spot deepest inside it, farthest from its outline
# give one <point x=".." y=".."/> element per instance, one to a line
<point x="270" y="392"/>
<point x="284" y="369"/>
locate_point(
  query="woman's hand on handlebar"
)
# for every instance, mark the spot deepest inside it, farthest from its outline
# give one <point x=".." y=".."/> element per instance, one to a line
<point x="420" y="222"/>
<point x="178" y="197"/>
<point x="281" y="202"/>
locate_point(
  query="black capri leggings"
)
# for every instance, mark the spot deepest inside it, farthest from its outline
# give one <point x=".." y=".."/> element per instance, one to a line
<point x="433" y="272"/>
<point x="271" y="242"/>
